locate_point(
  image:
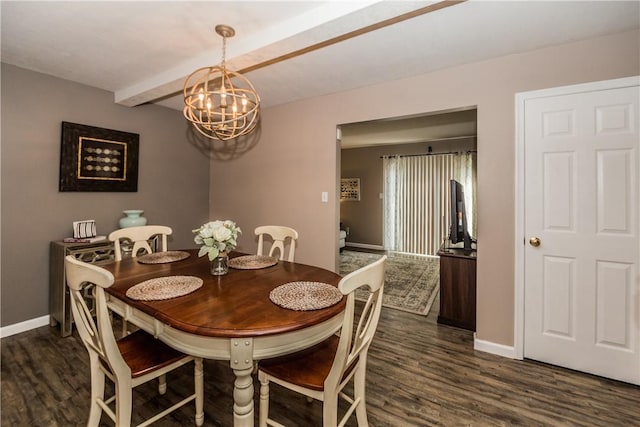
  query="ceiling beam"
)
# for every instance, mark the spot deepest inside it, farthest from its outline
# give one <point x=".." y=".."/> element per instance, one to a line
<point x="330" y="24"/>
<point x="355" y="33"/>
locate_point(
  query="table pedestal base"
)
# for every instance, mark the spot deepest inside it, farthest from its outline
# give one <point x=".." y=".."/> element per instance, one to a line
<point x="242" y="365"/>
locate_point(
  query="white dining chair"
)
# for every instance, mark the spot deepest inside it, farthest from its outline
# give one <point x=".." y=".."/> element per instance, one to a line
<point x="279" y="235"/>
<point x="139" y="237"/>
<point x="133" y="360"/>
<point x="322" y="371"/>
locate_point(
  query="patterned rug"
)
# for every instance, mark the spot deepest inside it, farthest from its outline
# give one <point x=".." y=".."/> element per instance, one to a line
<point x="411" y="282"/>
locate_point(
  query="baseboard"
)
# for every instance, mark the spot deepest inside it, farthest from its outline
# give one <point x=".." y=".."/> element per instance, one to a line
<point x="25" y="326"/>
<point x="365" y="246"/>
<point x="415" y="255"/>
<point x="494" y="348"/>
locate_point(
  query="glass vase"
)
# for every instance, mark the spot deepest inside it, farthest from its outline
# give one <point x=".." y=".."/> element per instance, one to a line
<point x="219" y="265"/>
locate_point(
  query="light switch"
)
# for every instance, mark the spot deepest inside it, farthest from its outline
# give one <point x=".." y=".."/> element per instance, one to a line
<point x="325" y="196"/>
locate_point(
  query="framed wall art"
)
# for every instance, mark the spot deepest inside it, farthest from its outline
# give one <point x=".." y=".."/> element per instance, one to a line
<point x="350" y="189"/>
<point x="97" y="159"/>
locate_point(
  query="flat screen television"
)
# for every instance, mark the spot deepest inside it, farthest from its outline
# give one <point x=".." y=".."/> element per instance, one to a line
<point x="459" y="231"/>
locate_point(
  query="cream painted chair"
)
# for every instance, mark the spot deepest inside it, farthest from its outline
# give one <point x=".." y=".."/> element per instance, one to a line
<point x="279" y="235"/>
<point x="128" y="362"/>
<point x="139" y="236"/>
<point x="322" y="371"/>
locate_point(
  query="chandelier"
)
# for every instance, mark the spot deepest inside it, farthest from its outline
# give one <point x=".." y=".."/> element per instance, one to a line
<point x="220" y="103"/>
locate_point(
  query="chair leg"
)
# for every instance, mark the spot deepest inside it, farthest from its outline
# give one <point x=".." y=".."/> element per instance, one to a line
<point x="123" y="404"/>
<point x="162" y="384"/>
<point x="198" y="379"/>
<point x="264" y="400"/>
<point x="97" y="393"/>
<point x="124" y="327"/>
<point x="330" y="410"/>
<point x="359" y="380"/>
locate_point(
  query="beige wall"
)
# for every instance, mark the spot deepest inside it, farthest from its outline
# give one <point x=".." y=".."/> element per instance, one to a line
<point x="173" y="180"/>
<point x="364" y="218"/>
<point x="280" y="180"/>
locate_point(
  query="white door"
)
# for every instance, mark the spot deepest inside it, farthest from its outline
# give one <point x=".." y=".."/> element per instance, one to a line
<point x="581" y="203"/>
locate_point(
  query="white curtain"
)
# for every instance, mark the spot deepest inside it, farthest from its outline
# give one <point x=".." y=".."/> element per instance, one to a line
<point x="416" y="199"/>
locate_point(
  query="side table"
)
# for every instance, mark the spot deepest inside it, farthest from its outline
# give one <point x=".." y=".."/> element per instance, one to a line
<point x="59" y="304"/>
<point x="457" y="288"/>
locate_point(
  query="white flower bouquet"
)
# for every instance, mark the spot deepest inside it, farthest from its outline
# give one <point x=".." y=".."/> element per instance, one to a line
<point x="216" y="237"/>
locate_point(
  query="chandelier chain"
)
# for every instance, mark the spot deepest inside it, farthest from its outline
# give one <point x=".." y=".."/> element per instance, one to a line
<point x="224" y="51"/>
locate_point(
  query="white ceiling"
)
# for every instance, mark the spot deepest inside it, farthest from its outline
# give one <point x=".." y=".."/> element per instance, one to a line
<point x="142" y="51"/>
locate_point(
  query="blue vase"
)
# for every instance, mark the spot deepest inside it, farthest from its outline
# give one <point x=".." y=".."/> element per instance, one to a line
<point x="133" y="218"/>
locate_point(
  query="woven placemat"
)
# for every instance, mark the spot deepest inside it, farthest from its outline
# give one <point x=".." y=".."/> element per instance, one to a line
<point x="164" y="288"/>
<point x="304" y="296"/>
<point x="252" y="262"/>
<point x="163" y="257"/>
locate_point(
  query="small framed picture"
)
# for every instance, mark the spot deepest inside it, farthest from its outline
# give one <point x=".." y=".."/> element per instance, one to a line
<point x="97" y="159"/>
<point x="350" y="189"/>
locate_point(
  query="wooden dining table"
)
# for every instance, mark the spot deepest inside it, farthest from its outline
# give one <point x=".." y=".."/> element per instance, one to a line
<point x="230" y="317"/>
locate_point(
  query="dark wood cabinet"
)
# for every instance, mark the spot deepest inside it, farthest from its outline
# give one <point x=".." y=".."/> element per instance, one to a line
<point x="457" y="288"/>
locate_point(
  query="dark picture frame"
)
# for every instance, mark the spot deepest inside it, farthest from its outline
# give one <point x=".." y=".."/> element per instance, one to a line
<point x="98" y="159"/>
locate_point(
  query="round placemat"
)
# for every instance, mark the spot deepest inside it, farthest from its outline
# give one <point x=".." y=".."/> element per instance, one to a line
<point x="252" y="262"/>
<point x="163" y="257"/>
<point x="164" y="288"/>
<point x="304" y="296"/>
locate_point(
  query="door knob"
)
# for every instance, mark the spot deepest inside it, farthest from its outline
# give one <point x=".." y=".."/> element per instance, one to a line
<point x="534" y="241"/>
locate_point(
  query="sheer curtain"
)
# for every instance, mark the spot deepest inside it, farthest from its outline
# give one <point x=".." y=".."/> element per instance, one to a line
<point x="416" y="199"/>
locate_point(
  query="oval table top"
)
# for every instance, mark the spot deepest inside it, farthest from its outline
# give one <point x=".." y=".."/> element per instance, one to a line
<point x="230" y="306"/>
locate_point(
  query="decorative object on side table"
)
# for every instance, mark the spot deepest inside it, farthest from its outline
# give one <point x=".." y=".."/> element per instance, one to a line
<point x="217" y="239"/>
<point x="84" y="232"/>
<point x="133" y="218"/>
<point x="85" y="228"/>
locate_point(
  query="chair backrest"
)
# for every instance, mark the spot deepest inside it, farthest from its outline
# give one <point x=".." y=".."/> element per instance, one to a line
<point x="353" y="347"/>
<point x="97" y="335"/>
<point x="278" y="234"/>
<point x="139" y="236"/>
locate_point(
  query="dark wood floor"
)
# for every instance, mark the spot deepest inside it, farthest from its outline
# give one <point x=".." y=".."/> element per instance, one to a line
<point x="420" y="374"/>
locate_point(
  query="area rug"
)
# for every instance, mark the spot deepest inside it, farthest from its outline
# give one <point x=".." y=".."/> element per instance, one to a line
<point x="411" y="282"/>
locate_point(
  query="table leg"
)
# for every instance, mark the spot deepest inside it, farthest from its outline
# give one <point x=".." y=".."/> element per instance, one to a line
<point x="243" y="398"/>
<point x="242" y="365"/>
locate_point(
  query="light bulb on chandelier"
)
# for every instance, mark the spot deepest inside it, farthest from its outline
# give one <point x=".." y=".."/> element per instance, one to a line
<point x="220" y="103"/>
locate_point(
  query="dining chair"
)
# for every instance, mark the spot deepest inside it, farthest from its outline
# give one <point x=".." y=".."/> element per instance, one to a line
<point x="140" y="237"/>
<point x="321" y="372"/>
<point x="279" y="234"/>
<point x="133" y="360"/>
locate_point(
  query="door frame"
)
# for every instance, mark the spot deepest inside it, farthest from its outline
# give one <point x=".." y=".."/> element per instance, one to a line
<point x="520" y="177"/>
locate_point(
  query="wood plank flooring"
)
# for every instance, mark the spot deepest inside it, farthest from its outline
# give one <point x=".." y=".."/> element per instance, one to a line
<point x="420" y="374"/>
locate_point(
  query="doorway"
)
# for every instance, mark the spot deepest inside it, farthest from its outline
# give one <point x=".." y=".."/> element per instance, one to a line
<point x="364" y="144"/>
